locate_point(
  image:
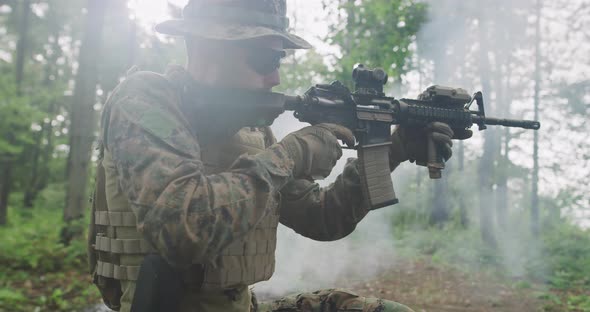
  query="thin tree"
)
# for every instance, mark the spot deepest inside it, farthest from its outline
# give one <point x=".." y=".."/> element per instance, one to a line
<point x="439" y="213"/>
<point x="486" y="163"/>
<point x="39" y="154"/>
<point x="21" y="48"/>
<point x="535" y="180"/>
<point x="83" y="117"/>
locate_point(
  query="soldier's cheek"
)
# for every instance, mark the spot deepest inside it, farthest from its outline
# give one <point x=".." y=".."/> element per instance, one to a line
<point x="272" y="80"/>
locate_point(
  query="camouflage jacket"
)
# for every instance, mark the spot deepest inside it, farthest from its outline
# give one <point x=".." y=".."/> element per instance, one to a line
<point x="190" y="216"/>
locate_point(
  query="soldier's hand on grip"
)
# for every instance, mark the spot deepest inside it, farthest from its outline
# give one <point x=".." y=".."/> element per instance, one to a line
<point x="315" y="149"/>
<point x="410" y="143"/>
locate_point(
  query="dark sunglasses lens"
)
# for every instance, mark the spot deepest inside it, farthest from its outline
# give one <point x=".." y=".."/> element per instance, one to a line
<point x="265" y="61"/>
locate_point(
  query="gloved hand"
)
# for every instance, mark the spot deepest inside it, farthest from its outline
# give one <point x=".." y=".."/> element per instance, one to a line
<point x="409" y="143"/>
<point x="315" y="149"/>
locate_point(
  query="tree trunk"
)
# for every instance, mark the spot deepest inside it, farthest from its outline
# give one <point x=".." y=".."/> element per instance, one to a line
<point x="486" y="164"/>
<point x="418" y="196"/>
<point x="464" y="220"/>
<point x="501" y="199"/>
<point x="83" y="116"/>
<point x="460" y="154"/>
<point x="504" y="160"/>
<point x="6" y="179"/>
<point x="41" y="153"/>
<point x="4" y="195"/>
<point x="439" y="213"/>
<point x="502" y="188"/>
<point x="47" y="151"/>
<point x="21" y="45"/>
<point x="535" y="180"/>
<point x="30" y="191"/>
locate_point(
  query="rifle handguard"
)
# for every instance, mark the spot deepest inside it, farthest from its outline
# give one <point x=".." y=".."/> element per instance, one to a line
<point x="375" y="176"/>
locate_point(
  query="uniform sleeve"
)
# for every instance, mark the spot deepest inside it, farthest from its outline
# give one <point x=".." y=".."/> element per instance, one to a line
<point x="324" y="214"/>
<point x="187" y="215"/>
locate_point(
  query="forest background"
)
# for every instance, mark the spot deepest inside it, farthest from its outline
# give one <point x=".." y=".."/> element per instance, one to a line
<point x="511" y="203"/>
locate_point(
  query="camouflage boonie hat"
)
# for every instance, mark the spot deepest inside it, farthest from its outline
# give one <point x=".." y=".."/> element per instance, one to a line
<point x="234" y="20"/>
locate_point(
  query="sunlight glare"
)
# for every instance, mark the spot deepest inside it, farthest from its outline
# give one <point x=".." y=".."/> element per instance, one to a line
<point x="150" y="12"/>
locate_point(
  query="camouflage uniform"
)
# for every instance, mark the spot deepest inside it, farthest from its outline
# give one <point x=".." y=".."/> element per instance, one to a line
<point x="190" y="217"/>
<point x="194" y="214"/>
<point x="331" y="300"/>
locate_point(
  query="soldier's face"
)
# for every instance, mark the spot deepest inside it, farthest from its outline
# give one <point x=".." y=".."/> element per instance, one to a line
<point x="250" y="65"/>
<point x="255" y="64"/>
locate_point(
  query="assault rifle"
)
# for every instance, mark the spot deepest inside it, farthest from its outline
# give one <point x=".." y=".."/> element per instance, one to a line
<point x="370" y="114"/>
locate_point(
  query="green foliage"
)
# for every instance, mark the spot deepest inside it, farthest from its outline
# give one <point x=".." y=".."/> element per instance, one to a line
<point x="10" y="299"/>
<point x="298" y="73"/>
<point x="37" y="271"/>
<point x="558" y="263"/>
<point x="551" y="297"/>
<point x="52" y="197"/>
<point x="377" y="33"/>
<point x="522" y="285"/>
<point x="15" y="120"/>
<point x="32" y="244"/>
<point x="579" y="303"/>
<point x="564" y="261"/>
<point x="448" y="246"/>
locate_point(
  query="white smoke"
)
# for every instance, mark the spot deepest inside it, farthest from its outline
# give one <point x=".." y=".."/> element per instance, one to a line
<point x="454" y="42"/>
<point x="305" y="265"/>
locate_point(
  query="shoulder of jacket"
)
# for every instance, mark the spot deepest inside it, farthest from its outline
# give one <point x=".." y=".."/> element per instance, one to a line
<point x="145" y="82"/>
<point x="146" y="86"/>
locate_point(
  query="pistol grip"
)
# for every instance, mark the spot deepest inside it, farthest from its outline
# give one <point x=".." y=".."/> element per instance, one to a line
<point x="375" y="175"/>
<point x="435" y="160"/>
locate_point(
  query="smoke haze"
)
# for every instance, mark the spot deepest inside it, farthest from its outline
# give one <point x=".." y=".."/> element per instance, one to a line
<point x="449" y="52"/>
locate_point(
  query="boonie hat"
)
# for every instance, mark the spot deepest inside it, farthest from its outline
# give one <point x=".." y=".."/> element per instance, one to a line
<point x="234" y="20"/>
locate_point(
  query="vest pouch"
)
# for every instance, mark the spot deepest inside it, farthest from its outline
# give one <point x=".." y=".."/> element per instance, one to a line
<point x="110" y="288"/>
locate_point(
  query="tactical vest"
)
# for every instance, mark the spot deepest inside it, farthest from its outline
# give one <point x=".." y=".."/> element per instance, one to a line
<point x="118" y="248"/>
<point x="251" y="259"/>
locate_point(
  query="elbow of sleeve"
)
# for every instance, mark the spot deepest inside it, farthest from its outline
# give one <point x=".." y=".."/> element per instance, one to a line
<point x="195" y="240"/>
<point x="168" y="232"/>
<point x="327" y="233"/>
<point x="337" y="229"/>
<point x="171" y="243"/>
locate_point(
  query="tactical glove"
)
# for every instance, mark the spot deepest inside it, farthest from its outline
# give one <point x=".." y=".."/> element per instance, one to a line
<point x="409" y="143"/>
<point x="315" y="149"/>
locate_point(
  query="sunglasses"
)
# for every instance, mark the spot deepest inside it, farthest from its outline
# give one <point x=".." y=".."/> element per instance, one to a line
<point x="264" y="60"/>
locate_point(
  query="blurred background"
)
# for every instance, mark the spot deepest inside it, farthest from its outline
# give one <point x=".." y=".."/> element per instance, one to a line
<point x="504" y="230"/>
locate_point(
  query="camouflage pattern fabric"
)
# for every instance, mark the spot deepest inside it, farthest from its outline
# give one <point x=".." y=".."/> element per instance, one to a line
<point x="330" y="300"/>
<point x="190" y="216"/>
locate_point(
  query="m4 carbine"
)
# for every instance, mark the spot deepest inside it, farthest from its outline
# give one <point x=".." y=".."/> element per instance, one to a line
<point x="370" y="114"/>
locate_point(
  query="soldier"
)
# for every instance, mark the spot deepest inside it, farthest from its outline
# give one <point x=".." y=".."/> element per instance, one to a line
<point x="178" y="181"/>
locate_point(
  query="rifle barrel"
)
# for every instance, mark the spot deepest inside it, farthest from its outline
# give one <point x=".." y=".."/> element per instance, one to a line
<point x="526" y="124"/>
